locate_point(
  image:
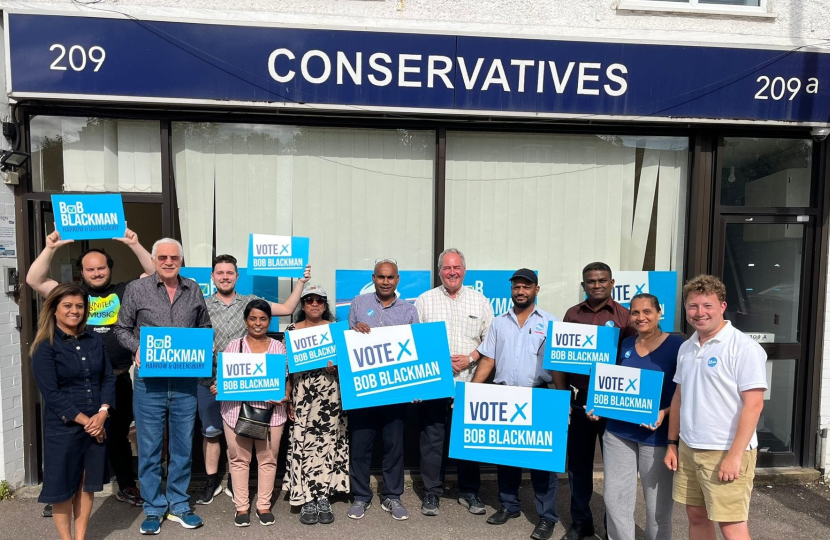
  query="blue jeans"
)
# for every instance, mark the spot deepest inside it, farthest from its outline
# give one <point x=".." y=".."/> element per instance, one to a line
<point x="155" y="400"/>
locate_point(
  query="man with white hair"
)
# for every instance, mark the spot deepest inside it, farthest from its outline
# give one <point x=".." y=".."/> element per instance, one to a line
<point x="163" y="299"/>
<point x="467" y="315"/>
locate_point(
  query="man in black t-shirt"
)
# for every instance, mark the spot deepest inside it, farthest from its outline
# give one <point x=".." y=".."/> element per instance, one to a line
<point x="104" y="304"/>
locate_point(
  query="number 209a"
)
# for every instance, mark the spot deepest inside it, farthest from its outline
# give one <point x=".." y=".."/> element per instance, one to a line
<point x="77" y="57"/>
<point x="779" y="87"/>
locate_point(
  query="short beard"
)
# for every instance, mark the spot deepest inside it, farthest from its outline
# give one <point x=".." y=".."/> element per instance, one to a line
<point x="528" y="303"/>
<point x="90" y="287"/>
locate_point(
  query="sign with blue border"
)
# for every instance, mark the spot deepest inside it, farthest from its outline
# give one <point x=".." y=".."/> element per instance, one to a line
<point x="394" y="364"/>
<point x="494" y="285"/>
<point x="250" y="377"/>
<point x="625" y="393"/>
<point x="176" y="352"/>
<point x="510" y="425"/>
<point x="265" y="287"/>
<point x="108" y="58"/>
<point x="89" y="217"/>
<point x="313" y="347"/>
<point x="352" y="283"/>
<point x="661" y="284"/>
<point x="574" y="348"/>
<point x="277" y="256"/>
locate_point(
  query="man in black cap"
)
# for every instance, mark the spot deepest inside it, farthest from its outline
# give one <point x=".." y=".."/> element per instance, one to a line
<point x="515" y="347"/>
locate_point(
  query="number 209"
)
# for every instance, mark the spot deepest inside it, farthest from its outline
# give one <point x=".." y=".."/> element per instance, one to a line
<point x="778" y="87"/>
<point x="77" y="57"/>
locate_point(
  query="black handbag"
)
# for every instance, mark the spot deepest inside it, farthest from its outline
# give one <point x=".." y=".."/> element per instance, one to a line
<point x="253" y="422"/>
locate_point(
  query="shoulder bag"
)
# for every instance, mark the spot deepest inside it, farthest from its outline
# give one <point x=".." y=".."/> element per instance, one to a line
<point x="253" y="422"/>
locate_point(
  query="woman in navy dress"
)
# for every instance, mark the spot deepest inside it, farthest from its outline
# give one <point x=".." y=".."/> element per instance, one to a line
<point x="629" y="449"/>
<point x="75" y="378"/>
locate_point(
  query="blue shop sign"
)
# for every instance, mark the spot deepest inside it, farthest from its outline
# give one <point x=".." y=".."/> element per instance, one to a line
<point x="394" y="364"/>
<point x="495" y="286"/>
<point x="175" y="352"/>
<point x="349" y="284"/>
<point x="510" y="425"/>
<point x="662" y="284"/>
<point x="89" y="217"/>
<point x="117" y="58"/>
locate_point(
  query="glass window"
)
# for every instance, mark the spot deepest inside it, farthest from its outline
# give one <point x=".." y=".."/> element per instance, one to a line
<point x="775" y="426"/>
<point x="555" y="203"/>
<point x="359" y="194"/>
<point x="762" y="273"/>
<point x="95" y="155"/>
<point x="766" y="172"/>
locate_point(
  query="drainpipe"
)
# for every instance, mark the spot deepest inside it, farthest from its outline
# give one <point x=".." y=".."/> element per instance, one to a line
<point x="821" y="450"/>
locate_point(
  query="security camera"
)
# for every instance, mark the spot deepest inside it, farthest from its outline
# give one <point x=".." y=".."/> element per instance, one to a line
<point x="820" y="133"/>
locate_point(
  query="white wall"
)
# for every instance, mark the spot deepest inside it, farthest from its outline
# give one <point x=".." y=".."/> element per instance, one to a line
<point x="797" y="20"/>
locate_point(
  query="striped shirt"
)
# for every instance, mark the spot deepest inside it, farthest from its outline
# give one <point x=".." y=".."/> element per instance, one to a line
<point x="468" y="316"/>
<point x="230" y="409"/>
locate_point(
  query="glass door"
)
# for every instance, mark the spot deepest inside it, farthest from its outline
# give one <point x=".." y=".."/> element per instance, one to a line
<point x="764" y="262"/>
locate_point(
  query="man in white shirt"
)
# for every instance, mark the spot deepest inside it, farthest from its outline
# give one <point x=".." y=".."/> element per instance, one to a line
<point x="721" y="379"/>
<point x="467" y="315"/>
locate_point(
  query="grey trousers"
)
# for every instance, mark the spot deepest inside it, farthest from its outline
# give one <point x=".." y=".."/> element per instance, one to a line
<point x="622" y="459"/>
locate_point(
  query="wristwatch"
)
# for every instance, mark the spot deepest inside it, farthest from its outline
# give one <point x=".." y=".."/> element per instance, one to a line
<point x="472" y="362"/>
<point x="673" y="441"/>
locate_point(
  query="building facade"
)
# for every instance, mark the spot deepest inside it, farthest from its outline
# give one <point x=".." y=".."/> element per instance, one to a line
<point x="657" y="136"/>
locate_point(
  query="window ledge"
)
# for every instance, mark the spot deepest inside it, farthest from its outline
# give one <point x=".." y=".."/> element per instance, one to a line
<point x="697" y="9"/>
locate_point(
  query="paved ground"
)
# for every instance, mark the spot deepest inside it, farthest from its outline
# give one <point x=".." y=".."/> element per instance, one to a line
<point x="795" y="511"/>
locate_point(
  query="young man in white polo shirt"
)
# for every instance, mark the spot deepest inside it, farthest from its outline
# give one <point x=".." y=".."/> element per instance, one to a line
<point x="721" y="380"/>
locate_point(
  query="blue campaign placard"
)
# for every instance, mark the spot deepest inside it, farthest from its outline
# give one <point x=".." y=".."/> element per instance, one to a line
<point x="277" y="256"/>
<point x="625" y="393"/>
<point x="314" y="347"/>
<point x="494" y="285"/>
<point x="264" y="287"/>
<point x="250" y="377"/>
<point x="663" y="285"/>
<point x="89" y="217"/>
<point x="176" y="352"/>
<point x="352" y="283"/>
<point x="510" y="425"/>
<point x="574" y="347"/>
<point x="394" y="364"/>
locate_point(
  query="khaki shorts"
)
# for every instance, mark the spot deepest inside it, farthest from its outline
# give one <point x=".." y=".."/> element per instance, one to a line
<point x="696" y="483"/>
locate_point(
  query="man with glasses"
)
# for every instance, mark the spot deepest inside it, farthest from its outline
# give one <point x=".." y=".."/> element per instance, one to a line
<point x="105" y="300"/>
<point x="467" y="315"/>
<point x="163" y="299"/>
<point x="367" y="311"/>
<point x="225" y="308"/>
<point x="515" y="348"/>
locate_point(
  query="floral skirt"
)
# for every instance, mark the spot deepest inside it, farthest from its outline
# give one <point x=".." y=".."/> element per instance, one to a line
<point x="318" y="447"/>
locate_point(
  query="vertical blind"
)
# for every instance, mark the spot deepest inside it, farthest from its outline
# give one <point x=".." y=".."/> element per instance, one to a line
<point x="96" y="155"/>
<point x="554" y="203"/>
<point x="359" y="194"/>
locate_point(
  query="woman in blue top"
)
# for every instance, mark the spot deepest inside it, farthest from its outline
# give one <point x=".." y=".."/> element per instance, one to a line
<point x="630" y="448"/>
<point x="74" y="376"/>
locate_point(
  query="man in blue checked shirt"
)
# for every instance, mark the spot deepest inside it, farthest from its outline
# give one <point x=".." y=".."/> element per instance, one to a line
<point x="373" y="310"/>
<point x="515" y="347"/>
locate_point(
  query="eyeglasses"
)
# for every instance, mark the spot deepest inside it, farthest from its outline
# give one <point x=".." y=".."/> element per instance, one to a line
<point x="173" y="258"/>
<point x="314" y="300"/>
<point x="379" y="261"/>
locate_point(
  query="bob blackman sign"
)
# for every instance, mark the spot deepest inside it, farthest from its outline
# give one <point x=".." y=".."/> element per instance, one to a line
<point x="114" y="59"/>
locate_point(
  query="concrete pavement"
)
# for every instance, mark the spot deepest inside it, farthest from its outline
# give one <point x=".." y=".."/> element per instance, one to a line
<point x="777" y="512"/>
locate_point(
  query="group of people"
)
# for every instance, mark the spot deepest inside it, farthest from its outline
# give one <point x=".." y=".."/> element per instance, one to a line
<point x="701" y="448"/>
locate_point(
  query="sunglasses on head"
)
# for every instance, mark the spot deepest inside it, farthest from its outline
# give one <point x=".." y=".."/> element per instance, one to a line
<point x="314" y="300"/>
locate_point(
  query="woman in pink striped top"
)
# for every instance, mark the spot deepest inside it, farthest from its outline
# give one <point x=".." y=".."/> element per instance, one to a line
<point x="257" y="318"/>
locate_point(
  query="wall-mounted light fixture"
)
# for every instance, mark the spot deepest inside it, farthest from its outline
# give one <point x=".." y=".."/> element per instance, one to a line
<point x="12" y="159"/>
